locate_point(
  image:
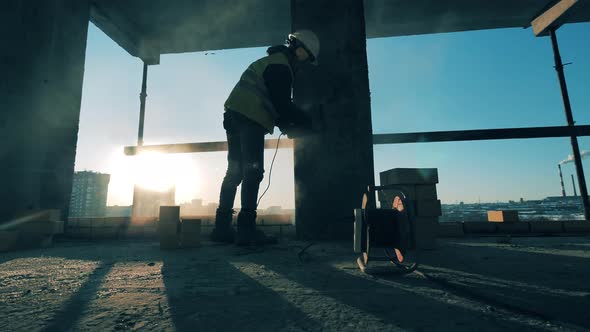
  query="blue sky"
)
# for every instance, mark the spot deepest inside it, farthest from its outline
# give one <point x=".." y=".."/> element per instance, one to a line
<point x="467" y="80"/>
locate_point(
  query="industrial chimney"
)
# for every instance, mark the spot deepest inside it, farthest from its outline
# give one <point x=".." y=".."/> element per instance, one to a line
<point x="574" y="185"/>
<point x="561" y="180"/>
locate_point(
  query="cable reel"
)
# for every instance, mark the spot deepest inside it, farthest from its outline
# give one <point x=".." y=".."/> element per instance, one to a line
<point x="388" y="230"/>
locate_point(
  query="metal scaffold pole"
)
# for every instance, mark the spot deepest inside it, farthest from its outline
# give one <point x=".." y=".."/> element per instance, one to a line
<point x="570" y="121"/>
<point x="142" y="98"/>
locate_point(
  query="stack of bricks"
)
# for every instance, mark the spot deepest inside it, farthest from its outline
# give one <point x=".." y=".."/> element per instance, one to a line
<point x="190" y="233"/>
<point x="419" y="184"/>
<point x="169" y="227"/>
<point x="31" y="229"/>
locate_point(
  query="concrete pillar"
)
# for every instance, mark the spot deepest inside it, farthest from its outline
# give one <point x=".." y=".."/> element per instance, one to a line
<point x="42" y="66"/>
<point x="333" y="169"/>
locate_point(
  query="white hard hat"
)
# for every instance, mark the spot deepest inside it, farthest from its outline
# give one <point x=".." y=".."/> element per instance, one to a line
<point x="310" y="41"/>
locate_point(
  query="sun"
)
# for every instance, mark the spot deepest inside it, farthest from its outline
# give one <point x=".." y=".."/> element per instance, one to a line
<point x="152" y="171"/>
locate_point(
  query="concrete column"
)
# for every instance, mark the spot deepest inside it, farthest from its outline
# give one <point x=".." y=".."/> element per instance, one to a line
<point x="42" y="66"/>
<point x="333" y="169"/>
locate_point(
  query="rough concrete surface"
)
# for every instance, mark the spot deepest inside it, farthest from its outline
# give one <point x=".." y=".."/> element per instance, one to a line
<point x="474" y="284"/>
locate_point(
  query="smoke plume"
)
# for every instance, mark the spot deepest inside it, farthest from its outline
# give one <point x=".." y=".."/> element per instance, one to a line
<point x="570" y="158"/>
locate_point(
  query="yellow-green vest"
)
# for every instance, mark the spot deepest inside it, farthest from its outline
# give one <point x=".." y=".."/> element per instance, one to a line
<point x="250" y="96"/>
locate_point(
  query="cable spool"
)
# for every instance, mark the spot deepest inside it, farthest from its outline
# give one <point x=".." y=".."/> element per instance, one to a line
<point x="390" y="229"/>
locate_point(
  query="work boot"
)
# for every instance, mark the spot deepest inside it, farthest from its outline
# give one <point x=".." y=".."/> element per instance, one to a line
<point x="247" y="234"/>
<point x="223" y="230"/>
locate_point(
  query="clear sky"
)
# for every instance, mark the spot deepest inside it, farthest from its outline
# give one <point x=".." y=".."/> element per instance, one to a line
<point x="468" y="80"/>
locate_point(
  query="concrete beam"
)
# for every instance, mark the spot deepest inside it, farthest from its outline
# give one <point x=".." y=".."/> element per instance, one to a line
<point x="121" y="29"/>
<point x="334" y="168"/>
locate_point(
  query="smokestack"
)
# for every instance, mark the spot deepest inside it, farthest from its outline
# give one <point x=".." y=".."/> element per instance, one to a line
<point x="561" y="180"/>
<point x="574" y="185"/>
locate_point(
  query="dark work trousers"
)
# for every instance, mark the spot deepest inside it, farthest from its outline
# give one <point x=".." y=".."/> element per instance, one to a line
<point x="245" y="139"/>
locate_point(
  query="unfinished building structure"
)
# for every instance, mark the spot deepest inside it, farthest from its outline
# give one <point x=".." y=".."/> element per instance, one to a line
<point x="42" y="68"/>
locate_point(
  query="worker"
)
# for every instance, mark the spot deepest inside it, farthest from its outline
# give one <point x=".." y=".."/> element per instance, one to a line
<point x="260" y="101"/>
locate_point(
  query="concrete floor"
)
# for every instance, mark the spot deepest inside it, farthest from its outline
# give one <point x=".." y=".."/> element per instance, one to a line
<point x="481" y="284"/>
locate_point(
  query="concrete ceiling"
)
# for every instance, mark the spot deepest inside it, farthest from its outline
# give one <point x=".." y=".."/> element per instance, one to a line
<point x="148" y="28"/>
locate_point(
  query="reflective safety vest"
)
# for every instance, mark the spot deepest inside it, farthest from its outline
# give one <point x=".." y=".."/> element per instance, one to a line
<point x="250" y="96"/>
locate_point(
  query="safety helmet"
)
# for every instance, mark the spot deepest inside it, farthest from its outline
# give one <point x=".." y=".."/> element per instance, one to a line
<point x="308" y="40"/>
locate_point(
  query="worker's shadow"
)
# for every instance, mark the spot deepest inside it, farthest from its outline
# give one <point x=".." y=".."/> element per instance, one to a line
<point x="206" y="292"/>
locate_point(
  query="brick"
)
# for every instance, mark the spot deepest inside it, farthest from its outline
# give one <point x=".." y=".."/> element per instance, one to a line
<point x="576" y="226"/>
<point x="191" y="225"/>
<point x="426" y="229"/>
<point x="102" y="233"/>
<point x="9" y="240"/>
<point x="546" y="227"/>
<point x="503" y="216"/>
<point x="79" y="232"/>
<point x="479" y="227"/>
<point x="409" y="176"/>
<point x="512" y="228"/>
<point x="169" y="213"/>
<point x="168" y="227"/>
<point x="85" y="222"/>
<point x="132" y="231"/>
<point x="99" y="222"/>
<point x="426" y="191"/>
<point x="450" y="229"/>
<point x="427" y="208"/>
<point x="115" y="221"/>
<point x="73" y="222"/>
<point x="43" y="227"/>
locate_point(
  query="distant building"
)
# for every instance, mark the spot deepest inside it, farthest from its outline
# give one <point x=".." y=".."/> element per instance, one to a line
<point x="89" y="194"/>
<point x="194" y="208"/>
<point x="211" y="208"/>
<point x="146" y="203"/>
<point x="119" y="211"/>
<point x="273" y="210"/>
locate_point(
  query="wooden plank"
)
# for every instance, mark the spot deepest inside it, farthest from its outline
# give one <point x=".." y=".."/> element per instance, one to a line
<point x="552" y="18"/>
<point x="416" y="137"/>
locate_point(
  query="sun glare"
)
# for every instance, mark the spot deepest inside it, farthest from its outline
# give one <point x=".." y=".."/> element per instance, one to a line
<point x="152" y="171"/>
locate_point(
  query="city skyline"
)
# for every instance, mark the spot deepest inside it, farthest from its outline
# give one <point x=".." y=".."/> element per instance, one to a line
<point x="468" y="80"/>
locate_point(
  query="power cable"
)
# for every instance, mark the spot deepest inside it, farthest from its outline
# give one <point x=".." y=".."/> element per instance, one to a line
<point x="270" y="171"/>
